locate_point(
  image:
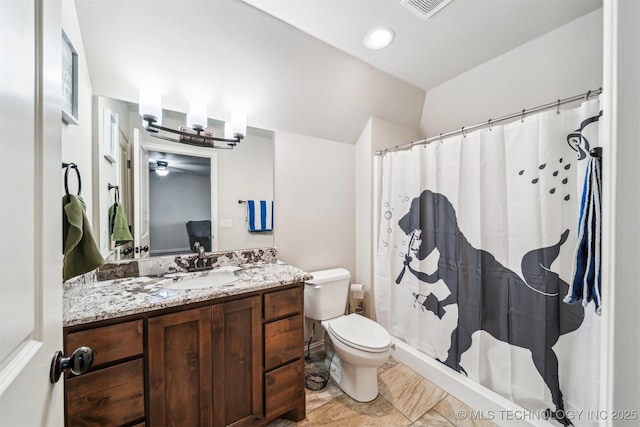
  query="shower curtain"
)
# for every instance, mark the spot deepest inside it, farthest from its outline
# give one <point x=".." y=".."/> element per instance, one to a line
<point x="475" y="251"/>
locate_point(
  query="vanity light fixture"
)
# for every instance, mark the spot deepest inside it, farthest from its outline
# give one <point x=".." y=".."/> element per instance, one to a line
<point x="195" y="132"/>
<point x="379" y="38"/>
<point x="161" y="168"/>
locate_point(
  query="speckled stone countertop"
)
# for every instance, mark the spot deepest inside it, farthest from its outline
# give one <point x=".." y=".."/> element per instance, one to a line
<point x="91" y="301"/>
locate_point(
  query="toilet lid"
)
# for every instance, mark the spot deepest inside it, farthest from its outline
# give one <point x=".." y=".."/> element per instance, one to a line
<point x="360" y="332"/>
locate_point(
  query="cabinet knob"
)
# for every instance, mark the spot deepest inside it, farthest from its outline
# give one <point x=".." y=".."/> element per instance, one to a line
<point x="79" y="363"/>
<point x="140" y="249"/>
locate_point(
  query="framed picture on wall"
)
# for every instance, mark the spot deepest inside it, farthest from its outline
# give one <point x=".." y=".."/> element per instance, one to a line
<point x="110" y="136"/>
<point x="69" y="82"/>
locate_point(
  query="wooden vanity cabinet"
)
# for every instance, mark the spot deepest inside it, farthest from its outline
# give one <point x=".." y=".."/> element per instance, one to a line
<point x="112" y="392"/>
<point x="239" y="362"/>
<point x="284" y="354"/>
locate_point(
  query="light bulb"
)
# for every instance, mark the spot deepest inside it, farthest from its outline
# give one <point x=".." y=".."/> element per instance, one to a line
<point x="238" y="124"/>
<point x="197" y="117"/>
<point x="379" y="38"/>
<point x="150" y="105"/>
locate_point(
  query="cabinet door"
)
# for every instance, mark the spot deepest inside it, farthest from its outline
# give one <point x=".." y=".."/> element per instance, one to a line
<point x="180" y="369"/>
<point x="237" y="362"/>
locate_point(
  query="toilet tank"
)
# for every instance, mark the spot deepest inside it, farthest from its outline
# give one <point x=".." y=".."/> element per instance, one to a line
<point x="325" y="296"/>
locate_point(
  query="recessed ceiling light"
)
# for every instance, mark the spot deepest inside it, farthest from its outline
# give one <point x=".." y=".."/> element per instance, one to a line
<point x="379" y="38"/>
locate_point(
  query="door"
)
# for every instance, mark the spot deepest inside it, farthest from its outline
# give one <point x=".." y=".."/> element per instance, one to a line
<point x="180" y="368"/>
<point x="140" y="197"/>
<point x="237" y="367"/>
<point x="30" y="220"/>
<point x="126" y="188"/>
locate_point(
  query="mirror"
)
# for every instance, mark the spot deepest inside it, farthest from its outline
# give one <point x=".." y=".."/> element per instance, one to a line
<point x="202" y="184"/>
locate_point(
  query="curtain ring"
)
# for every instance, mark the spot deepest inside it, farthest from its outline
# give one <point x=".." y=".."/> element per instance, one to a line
<point x="396" y="149"/>
<point x="440" y="138"/>
<point x="586" y="98"/>
<point x="490" y="125"/>
<point x="522" y="118"/>
<point x="558" y="107"/>
<point x="464" y="135"/>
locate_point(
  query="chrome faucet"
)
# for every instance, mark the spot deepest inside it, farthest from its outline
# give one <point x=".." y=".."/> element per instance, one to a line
<point x="201" y="258"/>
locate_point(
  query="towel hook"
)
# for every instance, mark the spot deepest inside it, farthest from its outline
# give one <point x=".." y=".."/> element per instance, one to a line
<point x="596" y="152"/>
<point x="116" y="195"/>
<point x="66" y="177"/>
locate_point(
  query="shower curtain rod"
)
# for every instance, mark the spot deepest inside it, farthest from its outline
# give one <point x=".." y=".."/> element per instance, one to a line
<point x="491" y="122"/>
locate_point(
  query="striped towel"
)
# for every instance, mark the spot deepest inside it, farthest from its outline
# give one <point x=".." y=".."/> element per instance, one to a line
<point x="260" y="215"/>
<point x="586" y="283"/>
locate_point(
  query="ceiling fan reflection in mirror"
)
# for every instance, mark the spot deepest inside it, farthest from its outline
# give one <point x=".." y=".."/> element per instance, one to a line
<point x="164" y="163"/>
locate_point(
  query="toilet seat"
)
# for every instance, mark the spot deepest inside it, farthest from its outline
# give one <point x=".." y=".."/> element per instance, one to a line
<point x="349" y="330"/>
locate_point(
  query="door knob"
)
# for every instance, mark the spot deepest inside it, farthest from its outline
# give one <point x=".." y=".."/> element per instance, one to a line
<point x="79" y="363"/>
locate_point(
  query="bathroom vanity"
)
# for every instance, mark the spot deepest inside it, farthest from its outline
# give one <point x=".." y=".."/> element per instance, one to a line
<point x="229" y="354"/>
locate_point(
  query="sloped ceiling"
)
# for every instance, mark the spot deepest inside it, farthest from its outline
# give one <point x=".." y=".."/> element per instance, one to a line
<point x="298" y="65"/>
<point x="461" y="36"/>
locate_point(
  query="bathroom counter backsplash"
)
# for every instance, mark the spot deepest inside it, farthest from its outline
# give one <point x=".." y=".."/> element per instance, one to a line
<point x="92" y="298"/>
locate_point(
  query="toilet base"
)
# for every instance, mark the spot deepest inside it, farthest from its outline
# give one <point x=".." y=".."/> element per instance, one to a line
<point x="359" y="383"/>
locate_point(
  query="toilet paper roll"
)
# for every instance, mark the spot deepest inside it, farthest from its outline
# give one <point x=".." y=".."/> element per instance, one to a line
<point x="357" y="291"/>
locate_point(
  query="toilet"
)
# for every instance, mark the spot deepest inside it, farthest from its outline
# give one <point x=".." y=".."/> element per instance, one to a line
<point x="361" y="345"/>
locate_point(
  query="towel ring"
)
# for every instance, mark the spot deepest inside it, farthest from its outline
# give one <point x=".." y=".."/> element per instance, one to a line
<point x="66" y="177"/>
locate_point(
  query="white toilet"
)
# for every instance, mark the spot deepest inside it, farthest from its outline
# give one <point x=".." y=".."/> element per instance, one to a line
<point x="361" y="345"/>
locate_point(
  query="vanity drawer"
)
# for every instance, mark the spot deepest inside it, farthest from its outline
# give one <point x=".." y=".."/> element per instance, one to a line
<point x="282" y="387"/>
<point x="283" y="303"/>
<point x="109" y="343"/>
<point x="283" y="341"/>
<point x="111" y="396"/>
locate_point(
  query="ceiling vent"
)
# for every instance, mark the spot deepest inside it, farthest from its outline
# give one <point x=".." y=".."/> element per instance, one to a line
<point x="425" y="9"/>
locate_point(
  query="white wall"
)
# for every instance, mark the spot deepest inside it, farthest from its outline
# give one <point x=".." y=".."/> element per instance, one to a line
<point x="377" y="135"/>
<point x="560" y="64"/>
<point x="314" y="213"/>
<point x="76" y="139"/>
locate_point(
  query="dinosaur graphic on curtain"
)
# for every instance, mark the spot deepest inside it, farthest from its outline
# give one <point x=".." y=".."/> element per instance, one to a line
<point x="526" y="313"/>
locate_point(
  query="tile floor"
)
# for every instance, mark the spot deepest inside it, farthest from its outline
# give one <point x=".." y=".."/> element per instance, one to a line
<point x="405" y="399"/>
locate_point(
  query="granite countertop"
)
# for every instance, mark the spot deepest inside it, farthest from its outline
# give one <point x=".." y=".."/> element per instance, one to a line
<point x="108" y="299"/>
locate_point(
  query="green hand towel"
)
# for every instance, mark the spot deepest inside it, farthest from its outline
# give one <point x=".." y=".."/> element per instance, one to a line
<point x="118" y="225"/>
<point x="81" y="254"/>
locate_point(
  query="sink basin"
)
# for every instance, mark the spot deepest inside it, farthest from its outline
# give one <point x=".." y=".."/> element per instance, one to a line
<point x="219" y="277"/>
